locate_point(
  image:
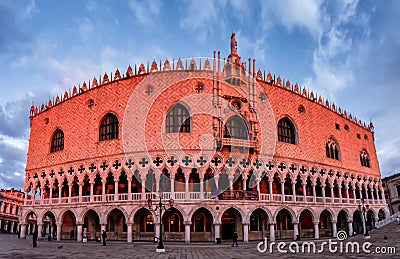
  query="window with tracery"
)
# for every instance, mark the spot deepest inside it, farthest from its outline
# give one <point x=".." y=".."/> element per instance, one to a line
<point x="286" y="131"/>
<point x="332" y="149"/>
<point x="236" y="128"/>
<point x="178" y="119"/>
<point x="364" y="159"/>
<point x="109" y="128"/>
<point x="57" y="141"/>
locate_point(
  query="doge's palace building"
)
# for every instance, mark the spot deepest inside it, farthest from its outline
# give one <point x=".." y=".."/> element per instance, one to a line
<point x="234" y="148"/>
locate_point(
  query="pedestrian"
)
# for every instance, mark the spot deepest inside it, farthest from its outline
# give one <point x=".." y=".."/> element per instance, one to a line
<point x="104" y="236"/>
<point x="34" y="239"/>
<point x="235" y="239"/>
<point x="398" y="220"/>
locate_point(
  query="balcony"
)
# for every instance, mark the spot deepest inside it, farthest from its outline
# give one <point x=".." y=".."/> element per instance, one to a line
<point x="250" y="196"/>
<point x="237" y="142"/>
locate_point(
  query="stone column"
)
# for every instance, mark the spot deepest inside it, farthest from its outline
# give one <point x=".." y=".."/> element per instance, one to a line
<point x="314" y="193"/>
<point x="347" y="194"/>
<point x="270" y="189"/>
<point x="334" y="228"/>
<point x="383" y="195"/>
<point x="340" y="195"/>
<point x="172" y="181"/>
<point x="12" y="227"/>
<point x="103" y="190"/>
<point x="305" y="192"/>
<point x="350" y="225"/>
<point x="143" y="185"/>
<point x="41" y="194"/>
<point x="129" y="234"/>
<point x="59" y="225"/>
<point x="116" y="196"/>
<point x="332" y="195"/>
<point x="79" y="232"/>
<point x="91" y="191"/>
<point x="103" y="227"/>
<point x="80" y="184"/>
<point x="363" y="223"/>
<point x="217" y="227"/>
<point x="245" y="232"/>
<point x="373" y="198"/>
<point x="294" y="191"/>
<point x="283" y="190"/>
<point x="187" y="231"/>
<point x="59" y="193"/>
<point x="295" y="230"/>
<point x="69" y="192"/>
<point x="40" y="229"/>
<point x="186" y="188"/>
<point x="354" y="195"/>
<point x="130" y="188"/>
<point x="272" y="231"/>
<point x="25" y="198"/>
<point x="201" y="177"/>
<point x="323" y="193"/>
<point x="23" y="231"/>
<point x="360" y="192"/>
<point x="51" y="195"/>
<point x="316" y="229"/>
<point x="377" y="196"/>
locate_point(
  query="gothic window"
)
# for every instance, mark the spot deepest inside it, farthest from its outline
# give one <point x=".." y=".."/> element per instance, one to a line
<point x="178" y="119"/>
<point x="286" y="131"/>
<point x="236" y="128"/>
<point x="57" y="141"/>
<point x="109" y="127"/>
<point x="364" y="159"/>
<point x="332" y="149"/>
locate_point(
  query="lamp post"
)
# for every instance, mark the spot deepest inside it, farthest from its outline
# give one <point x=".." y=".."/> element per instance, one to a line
<point x="160" y="206"/>
<point x="363" y="208"/>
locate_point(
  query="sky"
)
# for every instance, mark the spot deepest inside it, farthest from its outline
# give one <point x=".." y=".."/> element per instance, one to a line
<point x="347" y="51"/>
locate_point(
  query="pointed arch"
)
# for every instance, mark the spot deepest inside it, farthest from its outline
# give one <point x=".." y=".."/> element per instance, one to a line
<point x="287" y="131"/>
<point x="57" y="141"/>
<point x="178" y="119"/>
<point x="109" y="127"/>
<point x="236" y="127"/>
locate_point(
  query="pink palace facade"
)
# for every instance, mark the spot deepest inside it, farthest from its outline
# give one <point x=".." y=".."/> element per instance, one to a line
<point x="236" y="149"/>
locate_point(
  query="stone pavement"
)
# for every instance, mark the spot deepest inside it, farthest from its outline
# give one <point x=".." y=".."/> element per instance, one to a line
<point x="12" y="247"/>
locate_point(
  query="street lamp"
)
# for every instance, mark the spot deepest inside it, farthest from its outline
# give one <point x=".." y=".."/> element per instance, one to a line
<point x="160" y="206"/>
<point x="363" y="208"/>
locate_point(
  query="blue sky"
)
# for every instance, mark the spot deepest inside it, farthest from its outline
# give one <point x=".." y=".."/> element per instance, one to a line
<point x="348" y="51"/>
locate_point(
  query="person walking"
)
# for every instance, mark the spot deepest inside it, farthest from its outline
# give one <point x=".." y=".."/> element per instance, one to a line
<point x="34" y="239"/>
<point x="235" y="239"/>
<point x="104" y="236"/>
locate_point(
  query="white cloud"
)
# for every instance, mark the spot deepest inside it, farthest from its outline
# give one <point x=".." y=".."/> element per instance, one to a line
<point x="291" y="14"/>
<point x="146" y="11"/>
<point x="202" y="16"/>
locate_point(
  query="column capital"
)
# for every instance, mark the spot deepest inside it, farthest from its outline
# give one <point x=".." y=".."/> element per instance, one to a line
<point x="316" y="222"/>
<point x="187" y="223"/>
<point x="217" y="222"/>
<point x="334" y="221"/>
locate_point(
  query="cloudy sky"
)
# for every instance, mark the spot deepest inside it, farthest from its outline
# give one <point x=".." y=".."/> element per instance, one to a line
<point x="348" y="51"/>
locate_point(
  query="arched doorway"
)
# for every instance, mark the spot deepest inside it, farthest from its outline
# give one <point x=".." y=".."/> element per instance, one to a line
<point x="201" y="227"/>
<point x="116" y="227"/>
<point x="325" y="224"/>
<point x="144" y="228"/>
<point x="68" y="227"/>
<point x="357" y="222"/>
<point x="381" y="215"/>
<point x="31" y="223"/>
<point x="342" y="224"/>
<point x="91" y="225"/>
<point x="306" y="225"/>
<point x="284" y="225"/>
<point x="231" y="221"/>
<point x="173" y="228"/>
<point x="49" y="225"/>
<point x="259" y="227"/>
